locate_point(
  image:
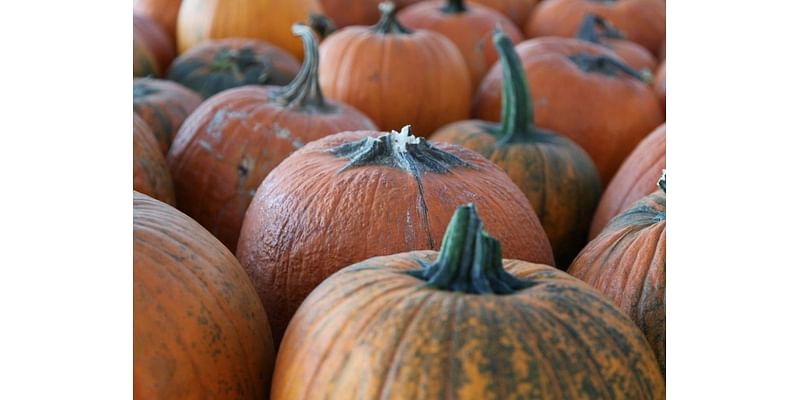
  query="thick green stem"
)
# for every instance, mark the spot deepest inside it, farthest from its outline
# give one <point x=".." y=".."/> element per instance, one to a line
<point x="594" y="27"/>
<point x="604" y="64"/>
<point x="454" y="7"/>
<point x="516" y="116"/>
<point x="388" y="24"/>
<point x="304" y="89"/>
<point x="470" y="260"/>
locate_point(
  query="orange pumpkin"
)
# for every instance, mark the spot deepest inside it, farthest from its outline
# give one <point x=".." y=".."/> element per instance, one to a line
<point x="660" y="85"/>
<point x="627" y="263"/>
<point x="583" y="91"/>
<point x="641" y="21"/>
<point x="268" y="20"/>
<point x="598" y="30"/>
<point x="374" y="68"/>
<point x="556" y="175"/>
<point x="516" y="10"/>
<point x="163" y="105"/>
<point x="150" y="36"/>
<point x="150" y="173"/>
<point x="199" y="330"/>
<point x="348" y="197"/>
<point x="163" y="12"/>
<point x="463" y="323"/>
<point x="230" y="143"/>
<point x="351" y="12"/>
<point x="634" y="179"/>
<point x="468" y="27"/>
<point x="217" y="65"/>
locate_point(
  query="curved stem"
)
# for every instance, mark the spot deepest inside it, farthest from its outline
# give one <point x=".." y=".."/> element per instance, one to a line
<point x="470" y="260"/>
<point x="304" y="89"/>
<point x="517" y="112"/>
<point x="454" y="7"/>
<point x="595" y="27"/>
<point x="604" y="64"/>
<point x="388" y="24"/>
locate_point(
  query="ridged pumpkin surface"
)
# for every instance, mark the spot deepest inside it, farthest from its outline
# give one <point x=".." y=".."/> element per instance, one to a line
<point x="313" y="216"/>
<point x="158" y="43"/>
<point x="150" y="173"/>
<point x="607" y="113"/>
<point x="516" y="10"/>
<point x="396" y="77"/>
<point x="164" y="105"/>
<point x="371" y="331"/>
<point x="641" y="21"/>
<point x="268" y="20"/>
<point x="627" y="262"/>
<point x="216" y="65"/>
<point x="199" y="330"/>
<point x="163" y="12"/>
<point x="634" y="179"/>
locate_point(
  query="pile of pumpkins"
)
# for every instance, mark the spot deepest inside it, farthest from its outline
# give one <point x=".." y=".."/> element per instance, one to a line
<point x="414" y="199"/>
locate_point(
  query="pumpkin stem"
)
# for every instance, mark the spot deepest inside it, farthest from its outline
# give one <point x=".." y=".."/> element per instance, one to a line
<point x="304" y="89"/>
<point x="595" y="27"/>
<point x="400" y="150"/>
<point x="321" y="24"/>
<point x="604" y="64"/>
<point x="454" y="7"/>
<point x="470" y="260"/>
<point x="517" y="112"/>
<point x="388" y="24"/>
<point x="662" y="182"/>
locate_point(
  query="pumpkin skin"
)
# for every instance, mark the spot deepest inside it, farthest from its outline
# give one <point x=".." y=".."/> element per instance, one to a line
<point x="598" y="30"/>
<point x="469" y="27"/>
<point x="555" y="174"/>
<point x="158" y="44"/>
<point x="231" y="142"/>
<point x="268" y="20"/>
<point x="199" y="330"/>
<point x="627" y="262"/>
<point x="313" y="215"/>
<point x="660" y="85"/>
<point x="373" y="330"/>
<point x="363" y="66"/>
<point x="163" y="12"/>
<point x="516" y="10"/>
<point x="144" y="62"/>
<point x="641" y="21"/>
<point x="634" y="179"/>
<point x="607" y="114"/>
<point x="150" y="173"/>
<point x="217" y="65"/>
<point x="351" y="12"/>
<point x="163" y="105"/>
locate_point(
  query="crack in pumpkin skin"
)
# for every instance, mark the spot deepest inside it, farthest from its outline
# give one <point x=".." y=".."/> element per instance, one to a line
<point x="508" y="347"/>
<point x="627" y="263"/>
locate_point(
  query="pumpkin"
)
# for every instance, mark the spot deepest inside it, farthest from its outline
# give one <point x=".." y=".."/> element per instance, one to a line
<point x="199" y="330"/>
<point x="217" y="65"/>
<point x="268" y="20"/>
<point x="230" y="143"/>
<point x="634" y="179"/>
<point x="583" y="91"/>
<point x="150" y="173"/>
<point x="662" y="51"/>
<point x="396" y="76"/>
<point x="355" y="195"/>
<point x="627" y="262"/>
<point x="598" y="30"/>
<point x="144" y="62"/>
<point x="148" y="35"/>
<point x="463" y="323"/>
<point x="516" y="10"/>
<point x="468" y="27"/>
<point x="660" y="85"/>
<point x="351" y="12"/>
<point x="556" y="175"/>
<point x="163" y="105"/>
<point x="163" y="12"/>
<point x="641" y="21"/>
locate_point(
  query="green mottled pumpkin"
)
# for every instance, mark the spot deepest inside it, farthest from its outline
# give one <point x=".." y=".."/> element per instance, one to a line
<point x="462" y="323"/>
<point x="216" y="65"/>
<point x="557" y="176"/>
